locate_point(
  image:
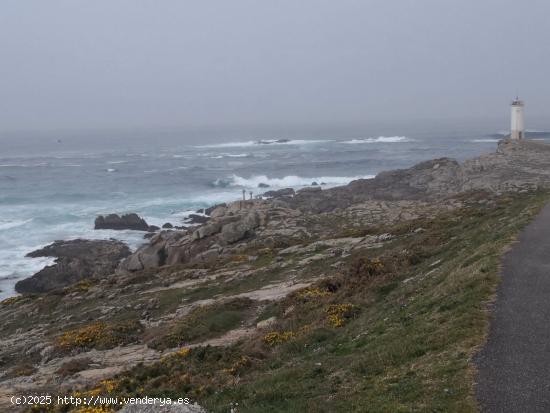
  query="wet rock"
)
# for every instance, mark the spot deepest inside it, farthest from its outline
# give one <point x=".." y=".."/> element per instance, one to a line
<point x="76" y="260"/>
<point x="117" y="222"/>
<point x="167" y="225"/>
<point x="195" y="219"/>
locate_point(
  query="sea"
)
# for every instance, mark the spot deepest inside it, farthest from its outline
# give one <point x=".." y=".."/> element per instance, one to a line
<point x="53" y="185"/>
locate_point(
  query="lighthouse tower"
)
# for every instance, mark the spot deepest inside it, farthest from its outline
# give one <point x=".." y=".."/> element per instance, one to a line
<point x="517" y="125"/>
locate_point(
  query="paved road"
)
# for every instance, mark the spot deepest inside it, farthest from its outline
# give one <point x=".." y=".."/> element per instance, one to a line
<point x="514" y="366"/>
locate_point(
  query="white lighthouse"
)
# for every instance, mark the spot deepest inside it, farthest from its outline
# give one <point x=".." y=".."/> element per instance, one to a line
<point x="517" y="124"/>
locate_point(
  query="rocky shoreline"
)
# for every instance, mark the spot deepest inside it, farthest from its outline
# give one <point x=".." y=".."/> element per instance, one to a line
<point x="100" y="310"/>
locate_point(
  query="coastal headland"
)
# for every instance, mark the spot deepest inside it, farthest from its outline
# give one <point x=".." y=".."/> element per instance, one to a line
<point x="367" y="297"/>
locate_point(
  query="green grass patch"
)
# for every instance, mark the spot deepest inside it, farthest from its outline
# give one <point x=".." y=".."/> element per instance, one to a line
<point x="398" y="347"/>
<point x="202" y="323"/>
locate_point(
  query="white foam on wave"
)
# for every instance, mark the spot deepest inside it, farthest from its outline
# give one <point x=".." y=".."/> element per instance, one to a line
<point x="264" y="142"/>
<point x="7" y="224"/>
<point x="292" y="181"/>
<point x="236" y="155"/>
<point x="24" y="165"/>
<point x="380" y="139"/>
<point x="485" y="140"/>
<point x="230" y="155"/>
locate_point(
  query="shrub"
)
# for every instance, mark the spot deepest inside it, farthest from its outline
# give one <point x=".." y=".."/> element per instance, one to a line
<point x="337" y="314"/>
<point x="73" y="366"/>
<point x="99" y="335"/>
<point x="273" y="338"/>
<point x="364" y="267"/>
<point x="311" y="293"/>
<point x="25" y="369"/>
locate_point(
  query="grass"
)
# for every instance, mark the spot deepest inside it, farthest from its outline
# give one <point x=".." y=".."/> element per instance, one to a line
<point x="202" y="323"/>
<point x="393" y="332"/>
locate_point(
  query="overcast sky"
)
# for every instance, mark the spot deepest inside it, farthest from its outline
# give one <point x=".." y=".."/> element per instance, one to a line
<point x="175" y="63"/>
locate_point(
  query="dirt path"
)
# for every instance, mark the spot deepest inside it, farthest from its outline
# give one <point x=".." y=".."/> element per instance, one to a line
<point x="514" y="366"/>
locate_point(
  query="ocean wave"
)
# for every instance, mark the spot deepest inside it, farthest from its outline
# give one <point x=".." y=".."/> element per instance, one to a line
<point x="17" y="267"/>
<point x="236" y="155"/>
<point x="24" y="165"/>
<point x="13" y="224"/>
<point x="485" y="140"/>
<point x="230" y="155"/>
<point x="285" y="182"/>
<point x="264" y="142"/>
<point x="380" y="139"/>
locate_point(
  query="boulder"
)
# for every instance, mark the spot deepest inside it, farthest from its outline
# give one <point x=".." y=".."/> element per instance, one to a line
<point x="117" y="222"/>
<point x="208" y="211"/>
<point x="281" y="193"/>
<point x="218" y="211"/>
<point x="195" y="219"/>
<point x="206" y="231"/>
<point x="167" y="226"/>
<point x="76" y="260"/>
<point x="236" y="231"/>
<point x="266" y="323"/>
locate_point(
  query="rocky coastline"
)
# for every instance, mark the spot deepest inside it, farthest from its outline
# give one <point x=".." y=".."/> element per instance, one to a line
<point x="102" y="310"/>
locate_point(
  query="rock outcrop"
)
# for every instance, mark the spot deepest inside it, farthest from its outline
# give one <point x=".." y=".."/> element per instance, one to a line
<point x="516" y="165"/>
<point x="228" y="227"/>
<point x="264" y="250"/>
<point x="121" y="222"/>
<point x="76" y="260"/>
<point x="194" y="219"/>
<point x="393" y="195"/>
<point x="281" y="193"/>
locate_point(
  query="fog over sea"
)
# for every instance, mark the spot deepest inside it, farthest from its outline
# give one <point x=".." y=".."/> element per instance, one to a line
<point x="53" y="186"/>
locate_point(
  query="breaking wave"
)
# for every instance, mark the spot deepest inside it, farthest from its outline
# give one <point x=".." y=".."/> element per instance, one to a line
<point x="230" y="155"/>
<point x="380" y="139"/>
<point x="13" y="224"/>
<point x="485" y="140"/>
<point x="262" y="142"/>
<point x="291" y="181"/>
